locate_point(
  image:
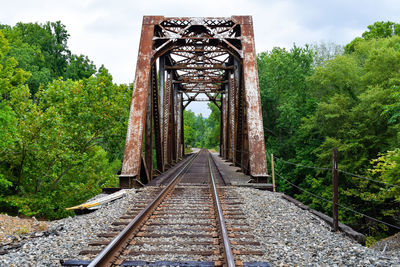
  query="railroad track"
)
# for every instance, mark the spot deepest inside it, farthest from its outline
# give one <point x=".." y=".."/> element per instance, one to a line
<point x="195" y="220"/>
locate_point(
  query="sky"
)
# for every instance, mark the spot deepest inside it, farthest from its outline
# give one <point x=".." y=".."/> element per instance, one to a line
<point x="108" y="32"/>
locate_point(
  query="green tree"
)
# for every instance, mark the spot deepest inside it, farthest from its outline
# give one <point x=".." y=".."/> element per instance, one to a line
<point x="358" y="119"/>
<point x="42" y="49"/>
<point x="376" y="31"/>
<point x="347" y="101"/>
<point x="212" y="136"/>
<point x="381" y="29"/>
<point x="58" y="158"/>
<point x="189" y="120"/>
<point x="284" y="95"/>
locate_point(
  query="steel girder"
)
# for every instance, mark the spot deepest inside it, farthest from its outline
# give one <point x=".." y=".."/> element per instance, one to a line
<point x="179" y="60"/>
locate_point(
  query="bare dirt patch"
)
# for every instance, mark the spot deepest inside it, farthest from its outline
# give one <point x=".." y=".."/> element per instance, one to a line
<point x="12" y="228"/>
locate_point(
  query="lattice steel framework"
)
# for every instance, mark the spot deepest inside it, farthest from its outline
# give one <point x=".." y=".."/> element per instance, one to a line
<point x="181" y="59"/>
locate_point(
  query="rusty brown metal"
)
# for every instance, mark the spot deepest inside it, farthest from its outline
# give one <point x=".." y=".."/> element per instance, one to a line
<point x="213" y="57"/>
<point x="225" y="124"/>
<point x="148" y="140"/>
<point x="255" y="129"/>
<point x="134" y="138"/>
<point x="167" y="97"/>
<point x="231" y="107"/>
<point x="156" y="119"/>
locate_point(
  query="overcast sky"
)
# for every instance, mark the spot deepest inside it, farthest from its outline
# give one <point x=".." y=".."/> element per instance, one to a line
<point x="109" y="31"/>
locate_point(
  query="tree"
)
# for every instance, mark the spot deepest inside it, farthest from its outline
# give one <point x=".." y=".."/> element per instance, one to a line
<point x="324" y="52"/>
<point x="284" y="95"/>
<point x="347" y="101"/>
<point x="42" y="49"/>
<point x="57" y="158"/>
<point x="189" y="120"/>
<point x="376" y="31"/>
<point x="213" y="124"/>
<point x="79" y="67"/>
<point x="381" y="29"/>
<point x="357" y="116"/>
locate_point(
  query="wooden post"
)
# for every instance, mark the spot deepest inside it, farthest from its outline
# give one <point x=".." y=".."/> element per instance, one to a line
<point x="335" y="182"/>
<point x="273" y="173"/>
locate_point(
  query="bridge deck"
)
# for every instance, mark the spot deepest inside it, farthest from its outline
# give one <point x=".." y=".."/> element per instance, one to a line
<point x="230" y="173"/>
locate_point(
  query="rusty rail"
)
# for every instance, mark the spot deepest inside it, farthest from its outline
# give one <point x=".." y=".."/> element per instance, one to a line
<point x="187" y="195"/>
<point x="106" y="257"/>
<point x="229" y="260"/>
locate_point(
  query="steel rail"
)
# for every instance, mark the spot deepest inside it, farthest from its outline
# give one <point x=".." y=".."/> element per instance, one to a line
<point x="106" y="256"/>
<point x="227" y="245"/>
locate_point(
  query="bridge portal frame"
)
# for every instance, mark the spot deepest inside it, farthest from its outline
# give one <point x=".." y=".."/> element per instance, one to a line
<point x="178" y="60"/>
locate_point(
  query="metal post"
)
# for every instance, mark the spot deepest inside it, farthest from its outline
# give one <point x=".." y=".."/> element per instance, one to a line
<point x="148" y="140"/>
<point x="335" y="182"/>
<point x="253" y="128"/>
<point x="273" y="173"/>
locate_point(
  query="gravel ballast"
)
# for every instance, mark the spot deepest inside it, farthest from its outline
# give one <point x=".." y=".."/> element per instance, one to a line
<point x="292" y="236"/>
<point x="288" y="235"/>
<point x="66" y="237"/>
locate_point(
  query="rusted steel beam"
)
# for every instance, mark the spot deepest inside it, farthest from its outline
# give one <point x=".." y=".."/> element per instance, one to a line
<point x="137" y="115"/>
<point x="166" y="119"/>
<point x="239" y="126"/>
<point x="222" y="122"/>
<point x="214" y="100"/>
<point x="255" y="130"/>
<point x="148" y="140"/>
<point x="193" y="38"/>
<point x="227" y="121"/>
<point x="182" y="128"/>
<point x="179" y="126"/>
<point x="200" y="91"/>
<point x="225" y="126"/>
<point x="201" y="81"/>
<point x="201" y="100"/>
<point x="156" y="120"/>
<point x="231" y="113"/>
<point x="161" y="74"/>
<point x="236" y="87"/>
<point x="215" y="66"/>
<point x="172" y="127"/>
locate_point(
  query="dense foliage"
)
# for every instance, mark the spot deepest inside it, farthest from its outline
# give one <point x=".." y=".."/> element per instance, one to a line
<point x="202" y="132"/>
<point x="63" y="123"/>
<point x="316" y="99"/>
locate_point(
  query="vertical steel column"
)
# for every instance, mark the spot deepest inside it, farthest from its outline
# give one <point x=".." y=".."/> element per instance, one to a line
<point x="137" y="115"/>
<point x="221" y="129"/>
<point x="231" y="108"/>
<point x="258" y="161"/>
<point x="182" y="129"/>
<point x="156" y="119"/>
<point x="245" y="144"/>
<point x="237" y="87"/>
<point x="178" y="126"/>
<point x="226" y="121"/>
<point x="222" y="133"/>
<point x="161" y="74"/>
<point x="166" y="120"/>
<point x="148" y="140"/>
<point x="239" y="125"/>
<point x="171" y="127"/>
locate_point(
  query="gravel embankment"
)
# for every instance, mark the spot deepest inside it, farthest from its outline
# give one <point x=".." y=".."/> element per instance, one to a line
<point x="66" y="237"/>
<point x="292" y="236"/>
<point x="289" y="235"/>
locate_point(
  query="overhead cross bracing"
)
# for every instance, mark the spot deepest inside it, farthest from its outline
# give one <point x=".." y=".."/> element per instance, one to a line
<point x="182" y="60"/>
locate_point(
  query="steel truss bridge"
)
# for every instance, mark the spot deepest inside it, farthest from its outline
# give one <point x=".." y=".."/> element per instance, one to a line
<point x="186" y="59"/>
